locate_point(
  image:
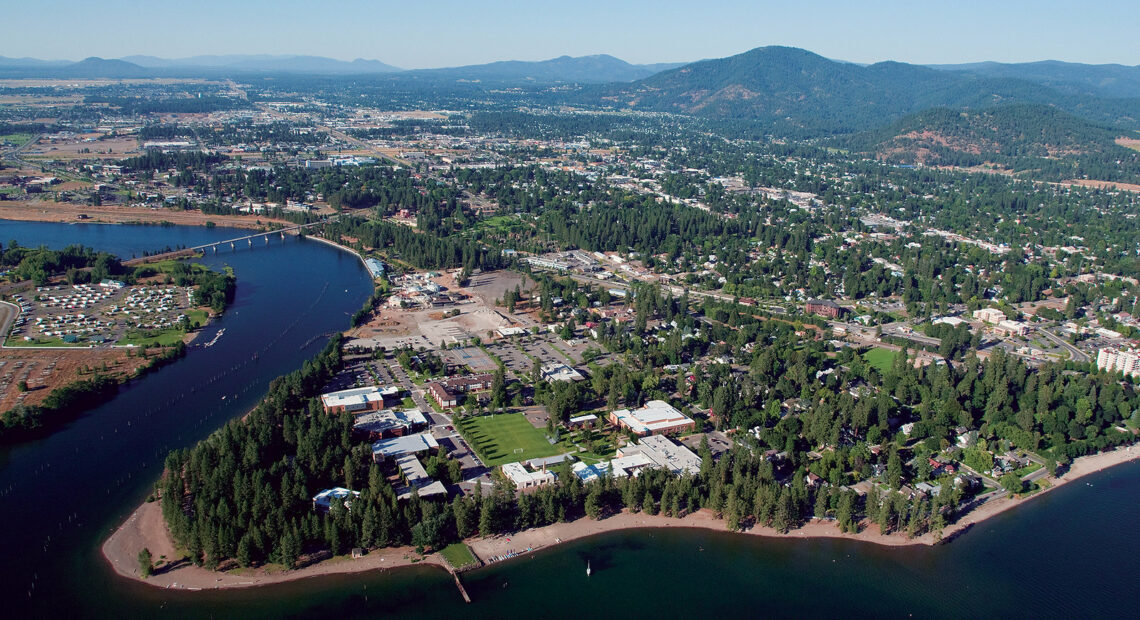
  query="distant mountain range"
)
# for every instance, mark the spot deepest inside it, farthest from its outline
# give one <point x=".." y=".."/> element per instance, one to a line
<point x="267" y="64"/>
<point x="795" y="92"/>
<point x="1098" y="80"/>
<point x="598" y="69"/>
<point x="913" y="112"/>
<point x="595" y="69"/>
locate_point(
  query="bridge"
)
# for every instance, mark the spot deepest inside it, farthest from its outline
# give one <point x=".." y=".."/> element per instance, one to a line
<point x="232" y="244"/>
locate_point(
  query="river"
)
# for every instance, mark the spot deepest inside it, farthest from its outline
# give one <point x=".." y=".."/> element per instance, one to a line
<point x="1070" y="553"/>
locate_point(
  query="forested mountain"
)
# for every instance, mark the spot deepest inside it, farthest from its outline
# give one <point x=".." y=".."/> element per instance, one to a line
<point x="1069" y="77"/>
<point x="1036" y="139"/>
<point x="799" y="93"/>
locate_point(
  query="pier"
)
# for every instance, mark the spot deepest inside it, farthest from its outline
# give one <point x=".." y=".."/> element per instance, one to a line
<point x="462" y="590"/>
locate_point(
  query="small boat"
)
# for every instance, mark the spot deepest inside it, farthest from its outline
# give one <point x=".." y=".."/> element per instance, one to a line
<point x="588" y="571"/>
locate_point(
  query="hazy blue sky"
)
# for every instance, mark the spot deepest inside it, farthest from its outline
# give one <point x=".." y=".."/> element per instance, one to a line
<point x="437" y="33"/>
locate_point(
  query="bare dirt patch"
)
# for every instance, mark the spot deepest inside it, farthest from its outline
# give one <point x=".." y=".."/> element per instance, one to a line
<point x="47" y="369"/>
<point x="1128" y="187"/>
<point x="46" y="211"/>
<point x="1132" y="143"/>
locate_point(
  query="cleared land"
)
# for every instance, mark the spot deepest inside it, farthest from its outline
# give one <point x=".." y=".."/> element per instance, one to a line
<point x="47" y="369"/>
<point x="505" y="438"/>
<point x="880" y="359"/>
<point x="47" y="211"/>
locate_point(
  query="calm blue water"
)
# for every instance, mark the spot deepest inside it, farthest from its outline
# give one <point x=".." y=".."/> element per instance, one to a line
<point x="1071" y="553"/>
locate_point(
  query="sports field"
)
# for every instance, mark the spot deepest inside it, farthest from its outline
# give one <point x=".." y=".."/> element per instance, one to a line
<point x="505" y="438"/>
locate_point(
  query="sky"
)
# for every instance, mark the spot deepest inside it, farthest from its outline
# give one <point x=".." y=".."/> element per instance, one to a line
<point x="442" y="33"/>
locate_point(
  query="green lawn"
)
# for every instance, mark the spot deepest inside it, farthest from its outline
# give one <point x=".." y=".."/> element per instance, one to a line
<point x="164" y="338"/>
<point x="497" y="437"/>
<point x="880" y="359"/>
<point x="499" y="223"/>
<point x="18" y="341"/>
<point x="18" y="139"/>
<point x="458" y="555"/>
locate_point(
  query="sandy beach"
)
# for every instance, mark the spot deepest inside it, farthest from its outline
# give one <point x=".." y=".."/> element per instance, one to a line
<point x="146" y="528"/>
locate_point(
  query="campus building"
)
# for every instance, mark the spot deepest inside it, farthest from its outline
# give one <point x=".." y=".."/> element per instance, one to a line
<point x="389" y="423"/>
<point x="446" y="392"/>
<point x="653" y="452"/>
<point x="397" y="447"/>
<point x="526" y="479"/>
<point x="824" y="307"/>
<point x="657" y="417"/>
<point x="358" y="400"/>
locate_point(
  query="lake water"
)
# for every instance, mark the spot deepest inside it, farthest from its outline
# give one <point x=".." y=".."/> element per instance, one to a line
<point x="1070" y="553"/>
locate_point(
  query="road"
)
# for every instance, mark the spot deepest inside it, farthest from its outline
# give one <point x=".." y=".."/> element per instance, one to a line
<point x="897" y="330"/>
<point x="14" y="154"/>
<point x="441" y="424"/>
<point x="1075" y="354"/>
<point x="8" y="314"/>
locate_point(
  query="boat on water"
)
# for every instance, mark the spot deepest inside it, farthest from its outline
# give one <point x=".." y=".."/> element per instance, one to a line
<point x="588" y="571"/>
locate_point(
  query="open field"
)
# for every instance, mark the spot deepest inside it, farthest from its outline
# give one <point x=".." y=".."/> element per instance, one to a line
<point x="505" y="438"/>
<point x="881" y="359"/>
<point x="47" y="369"/>
<point x="114" y="148"/>
<point x="49" y="211"/>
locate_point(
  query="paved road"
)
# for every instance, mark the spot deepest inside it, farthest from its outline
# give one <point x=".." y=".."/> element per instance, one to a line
<point x="1074" y="353"/>
<point x="8" y="314"/>
<point x="441" y="424"/>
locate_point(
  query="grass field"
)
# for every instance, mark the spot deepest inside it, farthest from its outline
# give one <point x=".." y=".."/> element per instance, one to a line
<point x="880" y="359"/>
<point x="18" y="139"/>
<point x="458" y="555"/>
<point x="164" y="338"/>
<point x="497" y="437"/>
<point x="499" y="224"/>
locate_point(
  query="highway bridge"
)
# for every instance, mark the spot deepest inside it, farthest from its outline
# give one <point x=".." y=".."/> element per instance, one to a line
<point x="232" y="244"/>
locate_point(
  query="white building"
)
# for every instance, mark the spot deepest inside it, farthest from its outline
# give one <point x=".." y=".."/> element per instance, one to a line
<point x="323" y="500"/>
<point x="655" y="418"/>
<point x="525" y="479"/>
<point x="1116" y="360"/>
<point x="1012" y="328"/>
<point x="989" y="315"/>
<point x="655" y="452"/>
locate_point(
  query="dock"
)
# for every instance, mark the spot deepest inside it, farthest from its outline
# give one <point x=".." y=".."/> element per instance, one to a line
<point x="462" y="590"/>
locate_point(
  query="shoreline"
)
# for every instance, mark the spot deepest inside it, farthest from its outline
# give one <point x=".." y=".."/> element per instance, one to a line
<point x="145" y="527"/>
<point x="67" y="213"/>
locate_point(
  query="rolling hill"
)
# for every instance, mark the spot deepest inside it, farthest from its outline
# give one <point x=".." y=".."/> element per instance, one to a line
<point x="799" y="93"/>
<point x="1033" y="140"/>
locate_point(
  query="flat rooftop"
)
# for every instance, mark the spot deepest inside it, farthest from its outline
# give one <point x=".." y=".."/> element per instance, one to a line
<point x="656" y="415"/>
<point x="388" y="419"/>
<point x="357" y="397"/>
<point x="408" y="444"/>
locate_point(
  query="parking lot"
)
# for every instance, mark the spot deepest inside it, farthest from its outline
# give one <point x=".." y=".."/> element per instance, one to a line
<point x="473" y="358"/>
